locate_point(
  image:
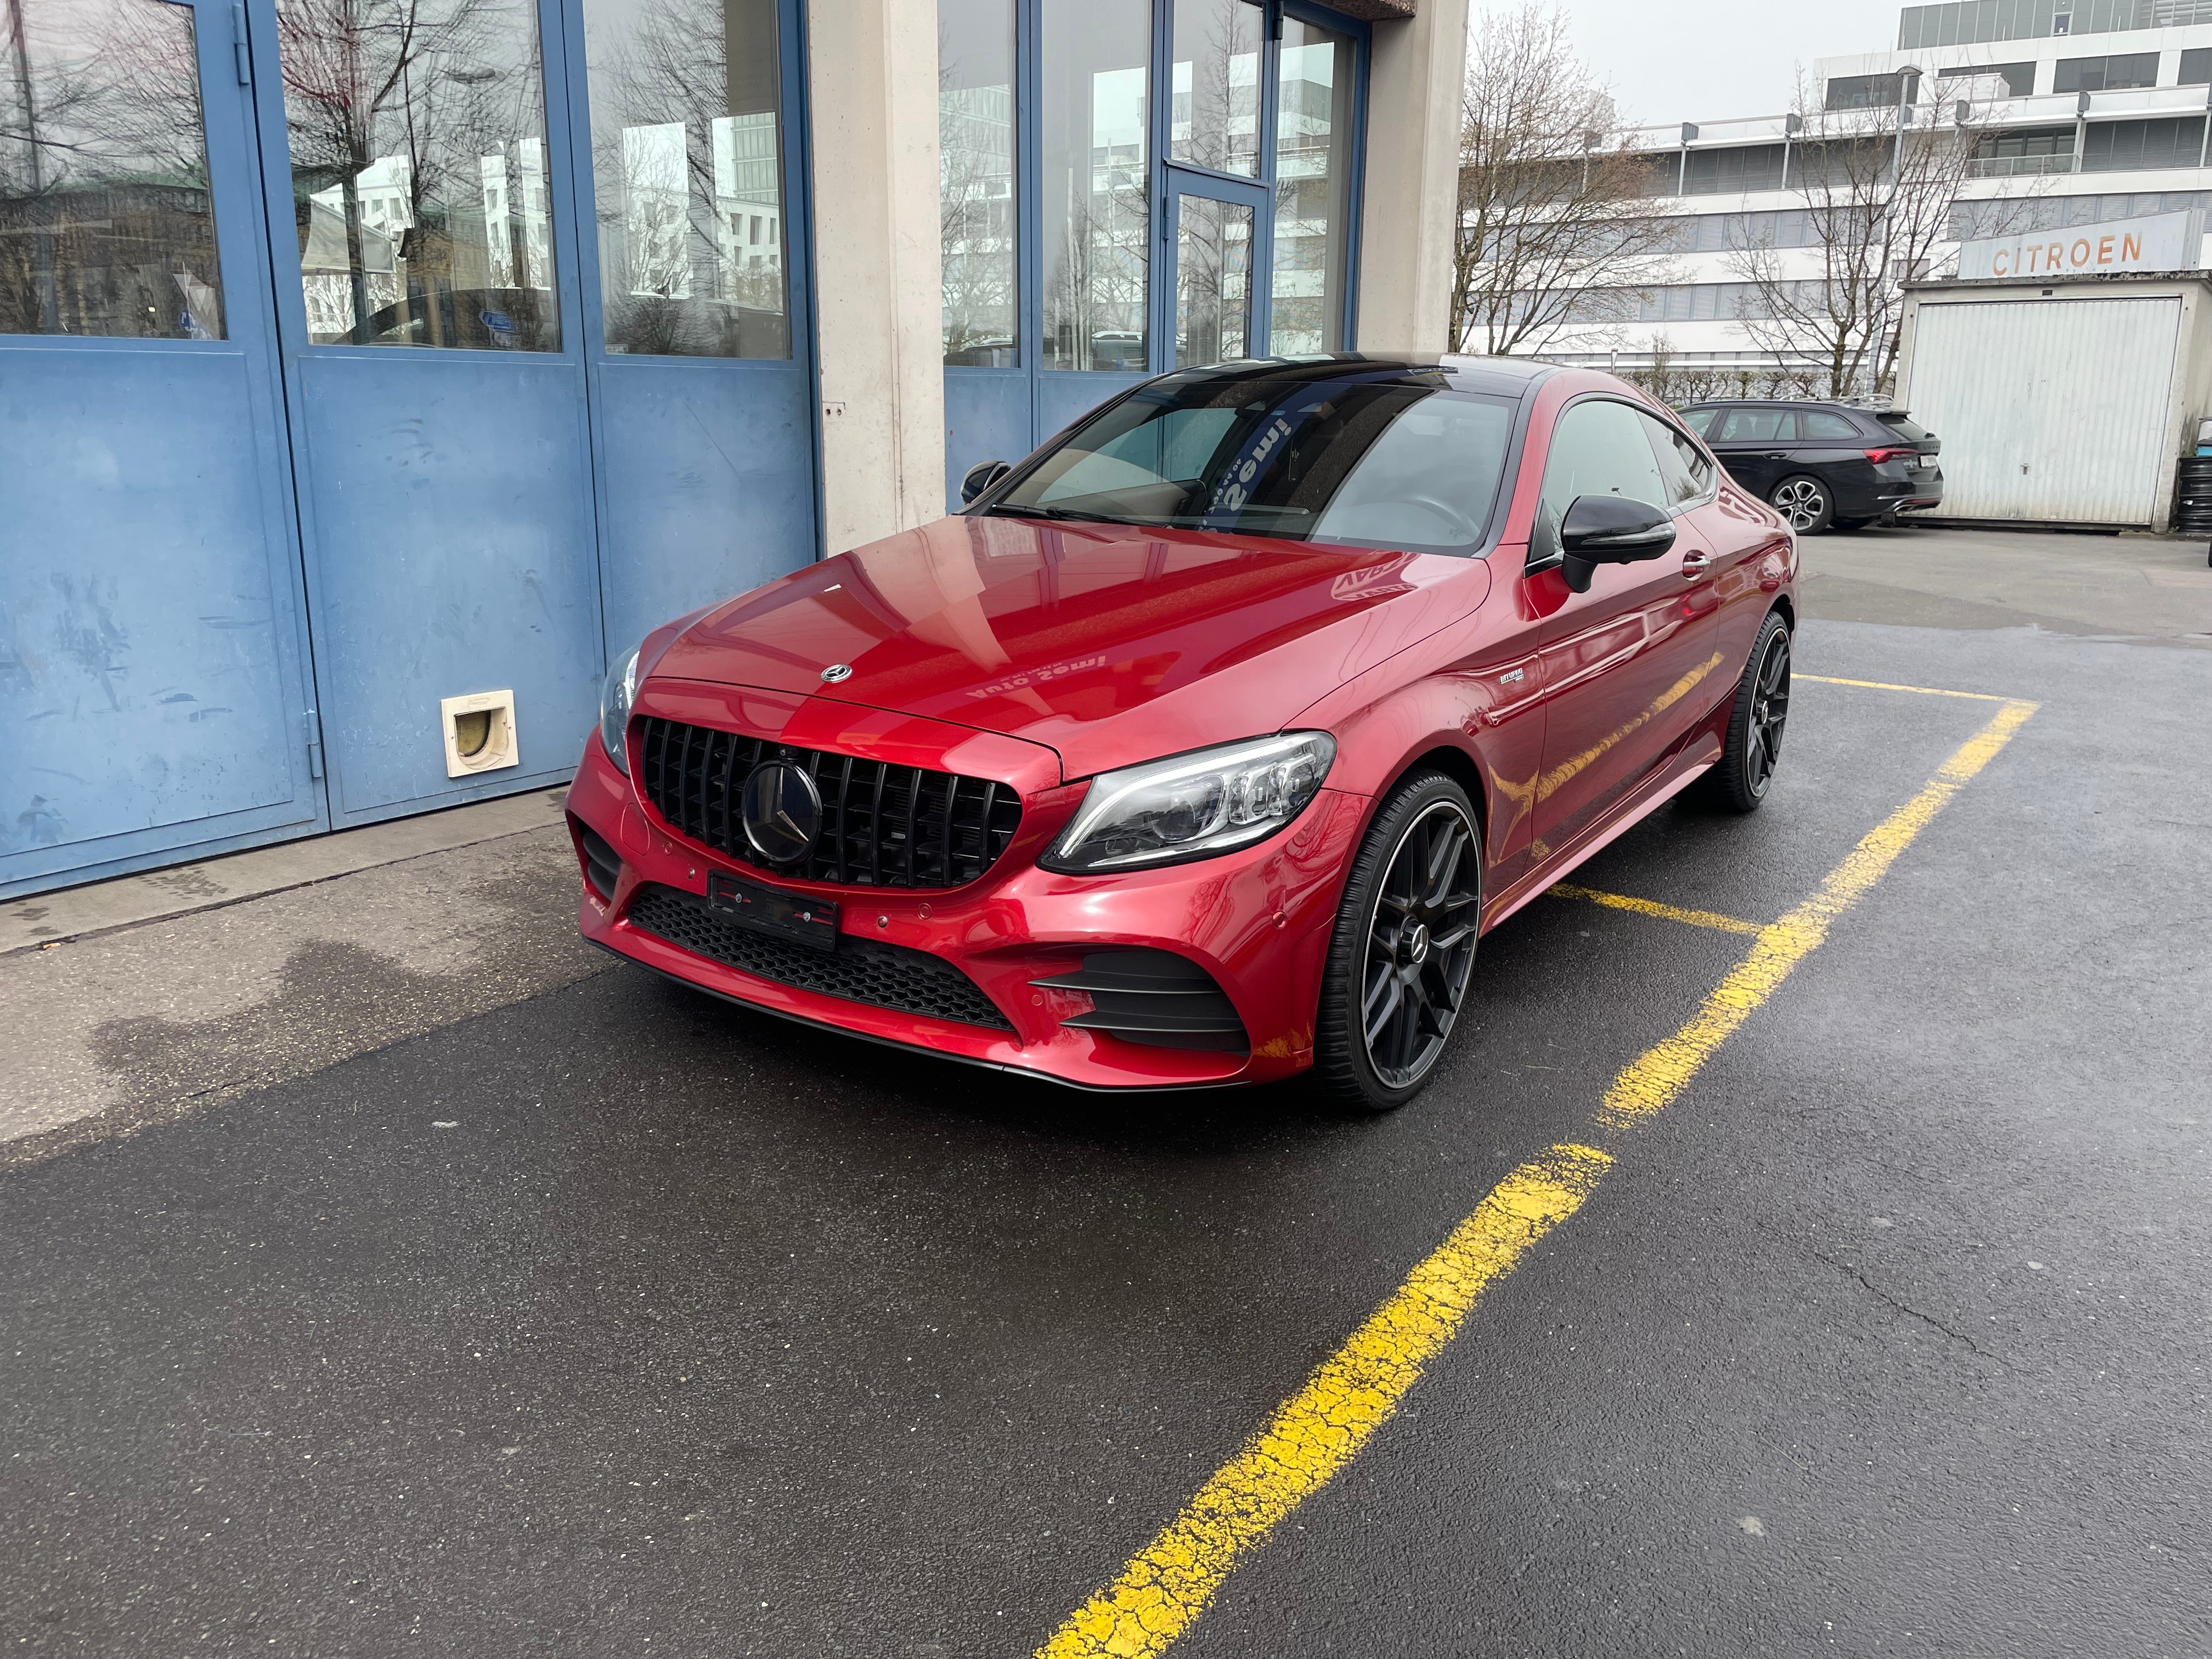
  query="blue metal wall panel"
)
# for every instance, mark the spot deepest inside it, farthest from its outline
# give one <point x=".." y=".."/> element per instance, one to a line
<point x="145" y="684"/>
<point x="449" y="509"/>
<point x="708" y="485"/>
<point x="986" y="418"/>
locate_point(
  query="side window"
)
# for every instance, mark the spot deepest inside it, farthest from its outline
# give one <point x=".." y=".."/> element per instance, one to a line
<point x="1758" y="426"/>
<point x="1700" y="420"/>
<point x="1598" y="448"/>
<point x="1820" y="423"/>
<point x="1683" y="466"/>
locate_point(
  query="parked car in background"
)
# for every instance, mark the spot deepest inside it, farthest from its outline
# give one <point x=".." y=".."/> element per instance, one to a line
<point x="1823" y="465"/>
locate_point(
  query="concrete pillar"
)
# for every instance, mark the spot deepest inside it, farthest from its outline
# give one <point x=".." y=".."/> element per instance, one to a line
<point x="872" y="82"/>
<point x="1411" y="182"/>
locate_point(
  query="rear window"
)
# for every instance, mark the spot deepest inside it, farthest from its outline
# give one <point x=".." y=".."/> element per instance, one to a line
<point x="1906" y="428"/>
<point x="1820" y="423"/>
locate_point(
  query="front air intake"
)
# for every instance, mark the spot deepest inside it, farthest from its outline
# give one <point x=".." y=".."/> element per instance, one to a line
<point x="1155" y="998"/>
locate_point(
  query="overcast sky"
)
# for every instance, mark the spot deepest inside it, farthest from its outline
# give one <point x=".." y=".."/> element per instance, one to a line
<point x="1710" y="59"/>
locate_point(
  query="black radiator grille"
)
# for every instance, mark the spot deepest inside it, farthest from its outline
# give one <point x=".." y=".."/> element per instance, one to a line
<point x="858" y="970"/>
<point x="882" y="825"/>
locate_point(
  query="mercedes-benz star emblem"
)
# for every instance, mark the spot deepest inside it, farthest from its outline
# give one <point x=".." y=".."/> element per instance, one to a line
<point x="836" y="671"/>
<point x="783" y="812"/>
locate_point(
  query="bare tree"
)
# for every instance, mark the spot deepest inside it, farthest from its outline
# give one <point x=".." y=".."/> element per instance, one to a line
<point x="1555" y="234"/>
<point x="1877" y="188"/>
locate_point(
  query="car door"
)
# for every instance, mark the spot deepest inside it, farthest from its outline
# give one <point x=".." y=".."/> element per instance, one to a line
<point x="1753" y="441"/>
<point x="1625" y="663"/>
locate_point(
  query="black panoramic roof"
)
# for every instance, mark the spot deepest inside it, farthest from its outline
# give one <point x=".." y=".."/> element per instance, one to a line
<point x="1499" y="377"/>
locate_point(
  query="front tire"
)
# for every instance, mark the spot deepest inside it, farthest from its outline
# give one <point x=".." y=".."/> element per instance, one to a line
<point x="1756" y="718"/>
<point x="1399" y="963"/>
<point x="1806" y="502"/>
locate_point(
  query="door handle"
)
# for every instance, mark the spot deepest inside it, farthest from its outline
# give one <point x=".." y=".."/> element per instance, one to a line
<point x="1695" y="564"/>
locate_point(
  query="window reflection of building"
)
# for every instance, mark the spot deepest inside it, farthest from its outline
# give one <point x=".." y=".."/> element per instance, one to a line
<point x="687" y="147"/>
<point x="1215" y="118"/>
<point x="106" y="221"/>
<point x="417" y="136"/>
<point x="1098" y="207"/>
<point x="1312" y="129"/>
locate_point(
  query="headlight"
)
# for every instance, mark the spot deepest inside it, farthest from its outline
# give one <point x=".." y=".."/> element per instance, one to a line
<point x="615" y="699"/>
<point x="1194" y="805"/>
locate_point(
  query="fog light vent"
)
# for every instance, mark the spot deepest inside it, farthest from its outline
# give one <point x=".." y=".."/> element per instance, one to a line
<point x="479" y="732"/>
<point x="1155" y="998"/>
<point x="602" y="865"/>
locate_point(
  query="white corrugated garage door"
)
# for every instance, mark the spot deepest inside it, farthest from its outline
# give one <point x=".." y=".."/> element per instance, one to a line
<point x="2051" y="409"/>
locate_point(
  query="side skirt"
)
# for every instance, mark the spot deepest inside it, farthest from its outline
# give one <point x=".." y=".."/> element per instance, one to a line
<point x="1695" y="760"/>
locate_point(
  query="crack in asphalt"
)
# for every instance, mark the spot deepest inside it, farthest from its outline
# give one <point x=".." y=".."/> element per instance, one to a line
<point x="1889" y="1301"/>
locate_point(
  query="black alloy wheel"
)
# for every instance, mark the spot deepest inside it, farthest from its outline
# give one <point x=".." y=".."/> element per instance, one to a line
<point x="1398" y="966"/>
<point x="1756" y="721"/>
<point x="1805" y="501"/>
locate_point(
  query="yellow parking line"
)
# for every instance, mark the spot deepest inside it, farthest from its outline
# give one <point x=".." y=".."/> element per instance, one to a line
<point x="1653" y="908"/>
<point x="1153" y="1599"/>
<point x="1884" y="685"/>
<point x="1655" y="1079"/>
<point x="1315" y="1433"/>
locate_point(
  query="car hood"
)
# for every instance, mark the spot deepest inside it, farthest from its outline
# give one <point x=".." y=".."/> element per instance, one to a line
<point x="1107" y="643"/>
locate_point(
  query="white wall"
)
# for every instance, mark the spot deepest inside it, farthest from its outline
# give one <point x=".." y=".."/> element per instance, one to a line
<point x="1411" y="180"/>
<point x="872" y="74"/>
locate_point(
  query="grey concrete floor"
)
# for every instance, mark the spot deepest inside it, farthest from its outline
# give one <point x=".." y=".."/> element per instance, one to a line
<point x="381" y="1274"/>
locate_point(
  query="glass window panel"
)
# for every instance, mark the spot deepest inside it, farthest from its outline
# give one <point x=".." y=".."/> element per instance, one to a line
<point x="417" y="132"/>
<point x="1093" y="109"/>
<point x="106" y="226"/>
<point x="1598" y="448"/>
<point x="1216" y="120"/>
<point x="1313" y="135"/>
<point x="687" y="165"/>
<point x="1213" y="281"/>
<point x="975" y="179"/>
<point x="1682" y="465"/>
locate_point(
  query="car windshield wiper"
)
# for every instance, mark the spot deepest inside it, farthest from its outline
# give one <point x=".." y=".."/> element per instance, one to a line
<point x="1067" y="515"/>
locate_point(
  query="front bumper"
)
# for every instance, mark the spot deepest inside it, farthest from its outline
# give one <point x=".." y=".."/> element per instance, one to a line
<point x="1258" y="921"/>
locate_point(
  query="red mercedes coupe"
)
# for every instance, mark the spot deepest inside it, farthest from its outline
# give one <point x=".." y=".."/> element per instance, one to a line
<point x="1203" y="745"/>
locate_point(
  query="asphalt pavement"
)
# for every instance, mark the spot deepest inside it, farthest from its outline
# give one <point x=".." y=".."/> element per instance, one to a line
<point x="381" y="1276"/>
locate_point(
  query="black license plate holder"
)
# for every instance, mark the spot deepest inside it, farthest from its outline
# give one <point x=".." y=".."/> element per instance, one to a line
<point x="799" y="917"/>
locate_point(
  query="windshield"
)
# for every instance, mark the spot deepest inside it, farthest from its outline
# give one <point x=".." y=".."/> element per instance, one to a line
<point x="1396" y="459"/>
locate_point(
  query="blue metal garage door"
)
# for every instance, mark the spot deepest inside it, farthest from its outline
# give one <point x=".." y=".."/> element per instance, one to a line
<point x="153" y="693"/>
<point x="463" y="447"/>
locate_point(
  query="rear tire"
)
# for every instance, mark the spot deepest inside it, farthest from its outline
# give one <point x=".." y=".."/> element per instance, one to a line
<point x="1761" y="709"/>
<point x="1399" y="963"/>
<point x="1805" y="501"/>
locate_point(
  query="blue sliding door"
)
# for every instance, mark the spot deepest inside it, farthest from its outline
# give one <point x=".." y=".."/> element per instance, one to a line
<point x="1129" y="186"/>
<point x="152" y="687"/>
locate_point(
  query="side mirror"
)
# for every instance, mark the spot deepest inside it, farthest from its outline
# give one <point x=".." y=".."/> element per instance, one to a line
<point x="980" y="478"/>
<point x="1609" y="530"/>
